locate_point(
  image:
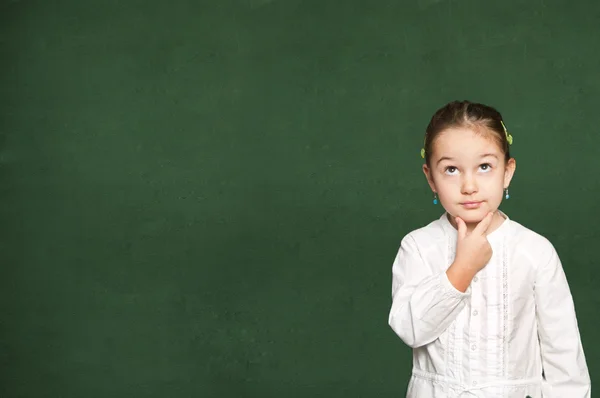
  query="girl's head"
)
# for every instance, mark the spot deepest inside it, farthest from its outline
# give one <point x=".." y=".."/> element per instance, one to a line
<point x="467" y="159"/>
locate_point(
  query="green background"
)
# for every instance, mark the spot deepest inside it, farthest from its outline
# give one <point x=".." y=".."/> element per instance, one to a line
<point x="204" y="198"/>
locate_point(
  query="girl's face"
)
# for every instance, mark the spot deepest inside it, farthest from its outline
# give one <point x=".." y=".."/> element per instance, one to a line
<point x="468" y="172"/>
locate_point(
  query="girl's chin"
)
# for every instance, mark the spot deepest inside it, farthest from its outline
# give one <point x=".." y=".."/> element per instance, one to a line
<point x="472" y="216"/>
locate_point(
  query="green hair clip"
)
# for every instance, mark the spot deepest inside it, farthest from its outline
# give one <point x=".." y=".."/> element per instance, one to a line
<point x="508" y="136"/>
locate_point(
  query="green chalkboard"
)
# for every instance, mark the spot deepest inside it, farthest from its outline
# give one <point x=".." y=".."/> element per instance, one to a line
<point x="204" y="198"/>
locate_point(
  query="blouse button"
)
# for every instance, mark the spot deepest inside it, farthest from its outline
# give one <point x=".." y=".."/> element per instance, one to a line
<point x="475" y="279"/>
<point x="473" y="347"/>
<point x="475" y="312"/>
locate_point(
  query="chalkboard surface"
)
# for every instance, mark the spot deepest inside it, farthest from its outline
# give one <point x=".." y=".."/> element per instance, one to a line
<point x="204" y="198"/>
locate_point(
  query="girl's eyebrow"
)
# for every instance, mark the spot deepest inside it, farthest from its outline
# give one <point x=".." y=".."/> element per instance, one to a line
<point x="444" y="158"/>
<point x="489" y="154"/>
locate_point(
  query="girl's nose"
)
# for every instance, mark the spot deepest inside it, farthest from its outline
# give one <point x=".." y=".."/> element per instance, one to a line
<point x="469" y="186"/>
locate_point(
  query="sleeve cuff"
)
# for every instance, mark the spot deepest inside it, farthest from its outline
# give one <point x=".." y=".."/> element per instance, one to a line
<point x="450" y="289"/>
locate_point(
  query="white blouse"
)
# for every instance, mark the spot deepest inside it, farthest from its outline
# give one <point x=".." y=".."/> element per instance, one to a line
<point x="512" y="334"/>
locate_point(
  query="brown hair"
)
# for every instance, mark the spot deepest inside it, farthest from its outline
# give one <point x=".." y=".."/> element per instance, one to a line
<point x="466" y="114"/>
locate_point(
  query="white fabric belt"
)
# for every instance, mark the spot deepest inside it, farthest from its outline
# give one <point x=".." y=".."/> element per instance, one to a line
<point x="471" y="389"/>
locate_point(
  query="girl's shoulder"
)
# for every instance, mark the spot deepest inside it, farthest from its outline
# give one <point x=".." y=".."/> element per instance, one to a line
<point x="517" y="232"/>
<point x="430" y="235"/>
<point x="531" y="244"/>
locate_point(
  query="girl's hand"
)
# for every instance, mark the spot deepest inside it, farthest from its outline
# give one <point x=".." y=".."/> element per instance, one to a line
<point x="473" y="250"/>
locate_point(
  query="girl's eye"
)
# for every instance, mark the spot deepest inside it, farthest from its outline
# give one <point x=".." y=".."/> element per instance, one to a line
<point x="450" y="170"/>
<point x="486" y="167"/>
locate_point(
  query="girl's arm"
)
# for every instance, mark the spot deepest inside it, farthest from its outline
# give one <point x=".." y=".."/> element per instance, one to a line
<point x="563" y="360"/>
<point x="424" y="302"/>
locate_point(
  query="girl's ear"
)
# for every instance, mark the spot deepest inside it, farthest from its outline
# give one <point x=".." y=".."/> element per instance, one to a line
<point x="509" y="171"/>
<point x="429" y="176"/>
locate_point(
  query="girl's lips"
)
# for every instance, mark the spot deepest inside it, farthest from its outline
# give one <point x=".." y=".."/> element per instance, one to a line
<point x="471" y="205"/>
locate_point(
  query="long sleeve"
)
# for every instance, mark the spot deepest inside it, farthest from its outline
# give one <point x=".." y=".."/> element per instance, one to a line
<point x="424" y="302"/>
<point x="563" y="360"/>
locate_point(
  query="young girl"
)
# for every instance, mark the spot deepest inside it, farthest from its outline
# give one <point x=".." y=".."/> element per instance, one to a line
<point x="482" y="300"/>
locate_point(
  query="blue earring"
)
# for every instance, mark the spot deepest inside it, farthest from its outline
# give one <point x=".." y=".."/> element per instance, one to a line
<point x="435" y="198"/>
<point x="507" y="195"/>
